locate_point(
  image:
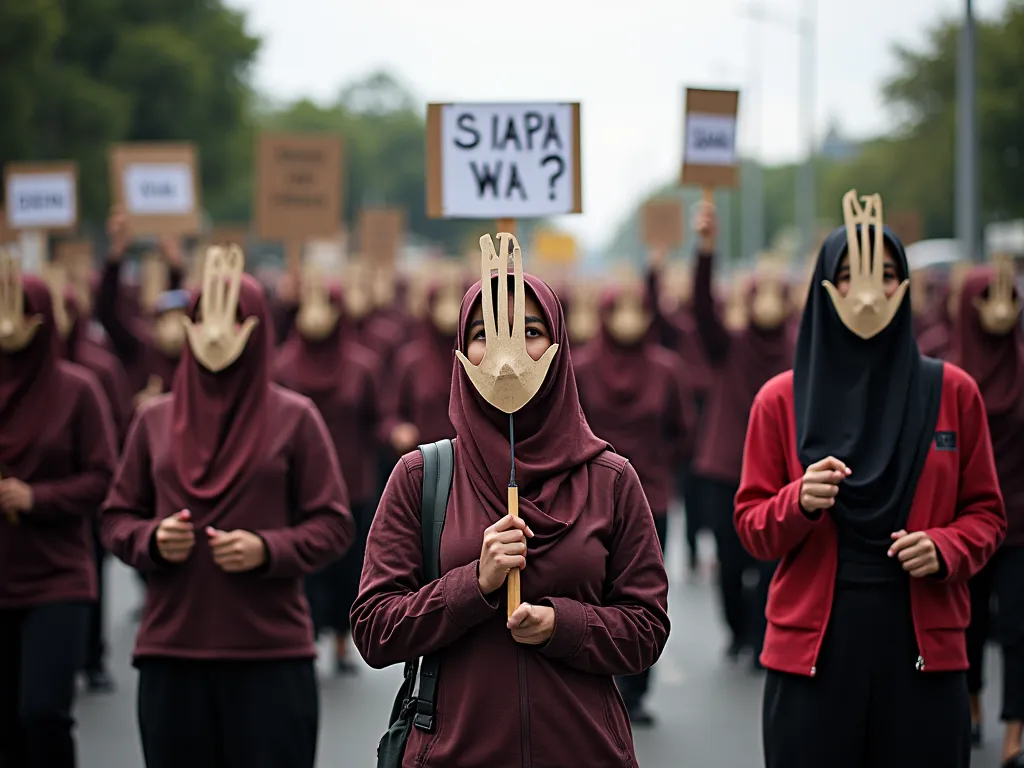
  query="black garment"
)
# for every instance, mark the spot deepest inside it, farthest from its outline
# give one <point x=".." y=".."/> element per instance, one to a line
<point x="867" y="706"/>
<point x="873" y="405"/>
<point x="332" y="591"/>
<point x="979" y="631"/>
<point x="633" y="688"/>
<point x="690" y="486"/>
<point x="228" y="714"/>
<point x="1008" y="584"/>
<point x="96" y="644"/>
<point x="41" y="651"/>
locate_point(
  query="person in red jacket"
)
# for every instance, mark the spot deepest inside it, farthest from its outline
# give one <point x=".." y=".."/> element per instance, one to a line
<point x="868" y="472"/>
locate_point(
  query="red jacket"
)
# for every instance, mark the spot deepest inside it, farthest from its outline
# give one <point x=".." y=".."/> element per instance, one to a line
<point x="958" y="504"/>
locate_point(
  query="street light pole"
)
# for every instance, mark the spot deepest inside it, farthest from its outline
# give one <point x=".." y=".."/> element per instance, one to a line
<point x="968" y="182"/>
<point x="806" y="193"/>
<point x="752" y="235"/>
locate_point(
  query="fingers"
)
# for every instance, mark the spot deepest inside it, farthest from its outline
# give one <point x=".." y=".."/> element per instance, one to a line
<point x="508" y="522"/>
<point x="905" y="542"/>
<point x="922" y="549"/>
<point x="821" y="490"/>
<point x="824" y="477"/>
<point x="829" y="463"/>
<point x="521" y="616"/>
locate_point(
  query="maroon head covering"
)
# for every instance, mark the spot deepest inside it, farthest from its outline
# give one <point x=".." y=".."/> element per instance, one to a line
<point x="995" y="362"/>
<point x="29" y="383"/>
<point x="220" y="419"/>
<point x="762" y="352"/>
<point x="554" y="443"/>
<point x="315" y="367"/>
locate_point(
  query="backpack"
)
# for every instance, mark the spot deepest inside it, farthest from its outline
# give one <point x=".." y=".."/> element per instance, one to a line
<point x="416" y="710"/>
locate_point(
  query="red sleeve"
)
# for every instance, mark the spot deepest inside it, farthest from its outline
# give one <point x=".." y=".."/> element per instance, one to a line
<point x="714" y="336"/>
<point x="128" y="519"/>
<point x="325" y="529"/>
<point x="626" y="633"/>
<point x="82" y="493"/>
<point x="767" y="512"/>
<point x="972" y="538"/>
<point x="397" y="616"/>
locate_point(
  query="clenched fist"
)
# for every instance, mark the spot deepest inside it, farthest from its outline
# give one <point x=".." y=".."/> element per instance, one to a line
<point x="236" y="551"/>
<point x="504" y="548"/>
<point x="820" y="485"/>
<point x="175" y="537"/>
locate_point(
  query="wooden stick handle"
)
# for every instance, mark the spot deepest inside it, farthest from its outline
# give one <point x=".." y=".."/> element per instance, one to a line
<point x="708" y="245"/>
<point x="709" y="195"/>
<point x="507" y="225"/>
<point x="513" y="575"/>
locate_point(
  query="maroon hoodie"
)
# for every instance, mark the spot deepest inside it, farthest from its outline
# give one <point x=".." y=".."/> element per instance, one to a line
<point x="594" y="559"/>
<point x="56" y="435"/>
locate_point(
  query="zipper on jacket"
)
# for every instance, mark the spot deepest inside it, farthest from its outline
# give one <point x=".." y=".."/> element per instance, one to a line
<point x="524" y="708"/>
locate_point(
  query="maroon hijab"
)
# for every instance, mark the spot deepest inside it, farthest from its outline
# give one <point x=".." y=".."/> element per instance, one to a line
<point x="995" y="362"/>
<point x="220" y="419"/>
<point x="317" y="367"/>
<point x="759" y="353"/>
<point x="29" y="383"/>
<point x="438" y="348"/>
<point x="554" y="443"/>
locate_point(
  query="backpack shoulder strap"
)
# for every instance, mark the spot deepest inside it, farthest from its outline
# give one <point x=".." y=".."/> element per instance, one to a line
<point x="438" y="471"/>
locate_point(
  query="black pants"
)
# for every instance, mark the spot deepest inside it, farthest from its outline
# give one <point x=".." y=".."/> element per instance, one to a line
<point x="1008" y="585"/>
<point x="332" y="591"/>
<point x="228" y="714"/>
<point x="633" y="688"/>
<point x="742" y="580"/>
<point x="690" y="485"/>
<point x="96" y="645"/>
<point x="41" y="651"/>
<point x="867" y="706"/>
<point x="979" y="631"/>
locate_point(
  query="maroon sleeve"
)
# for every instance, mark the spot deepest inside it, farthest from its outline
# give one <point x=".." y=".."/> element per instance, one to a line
<point x="325" y="529"/>
<point x="767" y="512"/>
<point x="626" y="633"/>
<point x="714" y="336"/>
<point x="681" y="421"/>
<point x="397" y="616"/>
<point x="127" y="346"/>
<point x="128" y="520"/>
<point x="395" y="397"/>
<point x="95" y="458"/>
<point x="972" y="538"/>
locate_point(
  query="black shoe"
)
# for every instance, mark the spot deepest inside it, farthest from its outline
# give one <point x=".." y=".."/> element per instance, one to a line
<point x="976" y="735"/>
<point x="639" y="717"/>
<point x="1017" y="761"/>
<point x="755" y="664"/>
<point x="733" y="652"/>
<point x="344" y="667"/>
<point x="99" y="681"/>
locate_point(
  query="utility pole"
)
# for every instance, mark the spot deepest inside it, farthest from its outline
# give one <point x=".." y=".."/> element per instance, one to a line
<point x="968" y="179"/>
<point x="806" y="194"/>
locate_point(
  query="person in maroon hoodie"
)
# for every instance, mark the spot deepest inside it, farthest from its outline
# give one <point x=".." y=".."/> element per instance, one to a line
<point x="989" y="345"/>
<point x="742" y="361"/>
<point x="634" y="395"/>
<point x="57" y="455"/>
<point x="322" y="360"/>
<point x="868" y="472"/>
<point x="536" y="688"/>
<point x="227" y="494"/>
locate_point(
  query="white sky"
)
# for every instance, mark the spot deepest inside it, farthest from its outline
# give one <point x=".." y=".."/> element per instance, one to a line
<point x="628" y="65"/>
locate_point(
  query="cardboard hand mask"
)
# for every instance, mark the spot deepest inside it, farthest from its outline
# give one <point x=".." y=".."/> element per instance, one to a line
<point x="154" y="279"/>
<point x="865" y="309"/>
<point x="676" y="287"/>
<point x="583" y="320"/>
<point x="629" y="321"/>
<point x="216" y="339"/>
<point x="16" y="330"/>
<point x="770" y="306"/>
<point x="316" y="318"/>
<point x="736" y="317"/>
<point x="1000" y="311"/>
<point x="56" y="280"/>
<point x="448" y="303"/>
<point x="507" y="377"/>
<point x="357" y="292"/>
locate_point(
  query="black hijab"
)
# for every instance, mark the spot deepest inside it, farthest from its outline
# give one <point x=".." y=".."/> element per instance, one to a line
<point x="871" y="403"/>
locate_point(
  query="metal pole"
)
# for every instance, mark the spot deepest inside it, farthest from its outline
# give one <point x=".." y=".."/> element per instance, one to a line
<point x="806" y="202"/>
<point x="968" y="182"/>
<point x="752" y="235"/>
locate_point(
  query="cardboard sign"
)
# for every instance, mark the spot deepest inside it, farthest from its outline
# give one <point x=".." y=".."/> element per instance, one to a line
<point x="75" y="256"/>
<point x="7" y="237"/>
<point x="158" y="188"/>
<point x="709" y="153"/>
<point x="228" y="234"/>
<point x="550" y="247"/>
<point x="906" y="225"/>
<point x="381" y="234"/>
<point x="488" y="161"/>
<point x="662" y="223"/>
<point x="41" y="196"/>
<point x="298" y="186"/>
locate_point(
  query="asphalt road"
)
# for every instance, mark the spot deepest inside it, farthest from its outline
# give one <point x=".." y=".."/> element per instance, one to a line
<point x="708" y="709"/>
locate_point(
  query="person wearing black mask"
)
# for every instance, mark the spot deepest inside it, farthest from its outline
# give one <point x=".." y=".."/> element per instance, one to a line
<point x="868" y="472"/>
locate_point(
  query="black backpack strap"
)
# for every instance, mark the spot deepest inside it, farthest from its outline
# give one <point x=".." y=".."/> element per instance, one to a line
<point x="438" y="470"/>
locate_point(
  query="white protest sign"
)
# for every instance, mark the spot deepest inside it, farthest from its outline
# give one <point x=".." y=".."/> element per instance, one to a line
<point x="710" y="139"/>
<point x="41" y="196"/>
<point x="503" y="160"/>
<point x="709" y="148"/>
<point x="158" y="189"/>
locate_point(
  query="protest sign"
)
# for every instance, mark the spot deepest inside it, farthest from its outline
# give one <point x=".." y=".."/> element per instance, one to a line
<point x="41" y="196"/>
<point x="503" y="160"/>
<point x="381" y="232"/>
<point x="709" y="153"/>
<point x="551" y="247"/>
<point x="906" y="225"/>
<point x="157" y="187"/>
<point x="662" y="223"/>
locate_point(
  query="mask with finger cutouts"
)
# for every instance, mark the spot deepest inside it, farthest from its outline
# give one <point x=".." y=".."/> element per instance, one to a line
<point x="16" y="329"/>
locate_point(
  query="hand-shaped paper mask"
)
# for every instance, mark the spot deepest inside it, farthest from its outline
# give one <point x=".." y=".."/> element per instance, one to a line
<point x="507" y="377"/>
<point x="865" y="309"/>
<point x="583" y="320"/>
<point x="447" y="303"/>
<point x="16" y="330"/>
<point x="629" y="320"/>
<point x="316" y="318"/>
<point x="1001" y="309"/>
<point x="770" y="305"/>
<point x="56" y="281"/>
<point x="217" y="340"/>
<point x="358" y="290"/>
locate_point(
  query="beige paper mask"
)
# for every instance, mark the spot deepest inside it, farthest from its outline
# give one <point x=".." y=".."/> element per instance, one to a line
<point x="770" y="306"/>
<point x="736" y="317"/>
<point x="357" y="293"/>
<point x="217" y="340"/>
<point x="317" y="317"/>
<point x="169" y="332"/>
<point x="999" y="313"/>
<point x="507" y="377"/>
<point x="383" y="288"/>
<point x="56" y="280"/>
<point x="16" y="330"/>
<point x="583" y="320"/>
<point x="865" y="309"/>
<point x="448" y="304"/>
<point x="629" y="320"/>
<point x="154" y="279"/>
<point x="676" y="287"/>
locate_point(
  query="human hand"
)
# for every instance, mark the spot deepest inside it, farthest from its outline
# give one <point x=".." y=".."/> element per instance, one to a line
<point x="504" y="548"/>
<point x="820" y="484"/>
<point x="705" y="224"/>
<point x="404" y="437"/>
<point x="15" y="496"/>
<point x="237" y="551"/>
<point x="175" y="537"/>
<point x="916" y="552"/>
<point x="118" y="233"/>
<point x="532" y="624"/>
